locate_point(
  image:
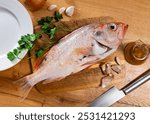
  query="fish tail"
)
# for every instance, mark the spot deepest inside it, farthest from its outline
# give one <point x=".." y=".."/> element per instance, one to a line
<point x="24" y="86"/>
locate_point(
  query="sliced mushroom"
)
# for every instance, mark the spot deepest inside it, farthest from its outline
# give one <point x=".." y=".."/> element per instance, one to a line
<point x="62" y="10"/>
<point x="117" y="60"/>
<point x="116" y="68"/>
<point x="70" y="11"/>
<point x="52" y="7"/>
<point x="105" y="81"/>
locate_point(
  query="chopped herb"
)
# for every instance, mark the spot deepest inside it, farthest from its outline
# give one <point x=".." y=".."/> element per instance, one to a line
<point x="39" y="52"/>
<point x="16" y="52"/>
<point x="48" y="27"/>
<point x="11" y="56"/>
<point x="45" y="27"/>
<point x="47" y="19"/>
<point x="49" y="30"/>
<point x="33" y="37"/>
<point x="21" y="42"/>
<point x="26" y="42"/>
<point x="58" y="16"/>
<point x="28" y="45"/>
<point x="52" y="33"/>
<point x="37" y="36"/>
<point x="20" y="48"/>
<point x="41" y="21"/>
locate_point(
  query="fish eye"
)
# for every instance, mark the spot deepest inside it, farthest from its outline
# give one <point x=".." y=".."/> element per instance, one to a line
<point x="112" y="26"/>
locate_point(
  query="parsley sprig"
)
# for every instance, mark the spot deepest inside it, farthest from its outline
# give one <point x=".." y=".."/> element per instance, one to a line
<point x="48" y="26"/>
<point x="26" y="42"/>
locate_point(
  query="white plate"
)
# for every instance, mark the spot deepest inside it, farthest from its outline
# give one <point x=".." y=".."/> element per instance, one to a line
<point x="14" y="22"/>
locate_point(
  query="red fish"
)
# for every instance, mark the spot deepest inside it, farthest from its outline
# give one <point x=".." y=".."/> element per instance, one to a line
<point x="75" y="52"/>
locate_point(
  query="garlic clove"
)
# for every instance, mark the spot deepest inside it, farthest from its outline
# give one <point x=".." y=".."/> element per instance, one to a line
<point x="105" y="81"/>
<point x="116" y="68"/>
<point x="52" y="7"/>
<point x="62" y="10"/>
<point x="70" y="10"/>
<point x="108" y="69"/>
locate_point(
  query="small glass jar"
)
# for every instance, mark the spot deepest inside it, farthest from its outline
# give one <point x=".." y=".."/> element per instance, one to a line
<point x="136" y="52"/>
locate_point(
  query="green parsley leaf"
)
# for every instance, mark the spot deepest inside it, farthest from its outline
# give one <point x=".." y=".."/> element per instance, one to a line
<point x="37" y="36"/>
<point x="45" y="27"/>
<point x="41" y="21"/>
<point x="11" y="56"/>
<point x="52" y="32"/>
<point x="32" y="37"/>
<point x="58" y="16"/>
<point x="39" y="52"/>
<point x="20" y="48"/>
<point x="28" y="45"/>
<point x="21" y="42"/>
<point x="47" y="19"/>
<point x="16" y="52"/>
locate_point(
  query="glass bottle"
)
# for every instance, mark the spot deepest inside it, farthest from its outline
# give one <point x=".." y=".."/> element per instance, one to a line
<point x="136" y="52"/>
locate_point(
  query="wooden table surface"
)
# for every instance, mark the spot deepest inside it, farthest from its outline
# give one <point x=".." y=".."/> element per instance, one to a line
<point x="136" y="13"/>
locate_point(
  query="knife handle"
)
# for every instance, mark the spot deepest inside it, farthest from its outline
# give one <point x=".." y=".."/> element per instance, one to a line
<point x="137" y="82"/>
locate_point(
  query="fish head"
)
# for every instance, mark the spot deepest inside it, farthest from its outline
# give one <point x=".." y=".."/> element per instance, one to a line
<point x="110" y="34"/>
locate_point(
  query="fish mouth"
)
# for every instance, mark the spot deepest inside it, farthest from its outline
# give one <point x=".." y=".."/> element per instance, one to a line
<point x="104" y="46"/>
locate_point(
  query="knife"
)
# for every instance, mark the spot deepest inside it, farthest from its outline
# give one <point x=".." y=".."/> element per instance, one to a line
<point x="114" y="94"/>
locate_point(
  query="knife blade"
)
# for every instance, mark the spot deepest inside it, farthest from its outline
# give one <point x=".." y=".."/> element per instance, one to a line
<point x="108" y="98"/>
<point x="114" y="94"/>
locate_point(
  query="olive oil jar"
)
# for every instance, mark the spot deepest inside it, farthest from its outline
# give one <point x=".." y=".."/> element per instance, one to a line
<point x="136" y="52"/>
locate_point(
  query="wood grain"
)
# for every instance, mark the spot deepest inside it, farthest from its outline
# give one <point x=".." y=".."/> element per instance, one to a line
<point x="9" y="96"/>
<point x="19" y="70"/>
<point x="133" y="12"/>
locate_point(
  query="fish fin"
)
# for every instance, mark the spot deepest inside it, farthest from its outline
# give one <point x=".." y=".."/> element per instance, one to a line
<point x="39" y="61"/>
<point x="23" y="86"/>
